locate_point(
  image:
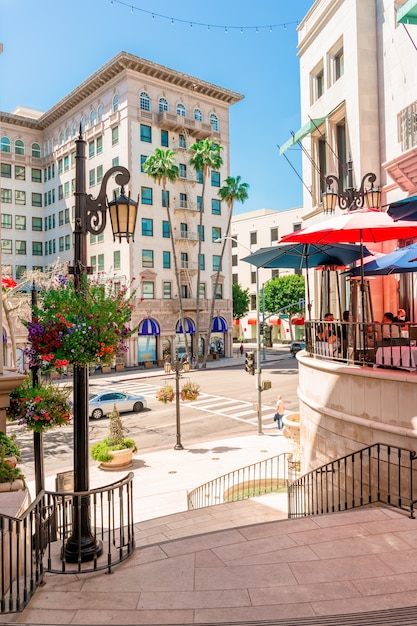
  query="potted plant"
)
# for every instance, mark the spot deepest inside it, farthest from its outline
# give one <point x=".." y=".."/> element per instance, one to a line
<point x="11" y="478"/>
<point x="165" y="394"/>
<point x="40" y="408"/>
<point x="115" y="451"/>
<point x="190" y="391"/>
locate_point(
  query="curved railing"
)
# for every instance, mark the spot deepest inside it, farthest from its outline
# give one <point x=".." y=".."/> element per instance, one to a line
<point x="252" y="480"/>
<point x="377" y="474"/>
<point x="35" y="542"/>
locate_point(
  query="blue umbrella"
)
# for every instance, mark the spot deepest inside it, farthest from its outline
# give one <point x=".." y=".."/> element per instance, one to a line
<point x="400" y="261"/>
<point x="303" y="256"/>
<point x="405" y="209"/>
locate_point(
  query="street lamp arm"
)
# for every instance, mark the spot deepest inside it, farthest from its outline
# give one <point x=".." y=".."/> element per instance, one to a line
<point x="96" y="208"/>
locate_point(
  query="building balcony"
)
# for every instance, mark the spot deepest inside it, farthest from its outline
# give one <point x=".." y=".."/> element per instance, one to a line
<point x="185" y="235"/>
<point x="184" y="205"/>
<point x="178" y="123"/>
<point x="188" y="266"/>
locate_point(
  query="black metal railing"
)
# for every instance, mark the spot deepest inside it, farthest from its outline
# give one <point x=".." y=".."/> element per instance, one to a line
<point x="377" y="474"/>
<point x="383" y="345"/>
<point x="252" y="480"/>
<point x="34" y="543"/>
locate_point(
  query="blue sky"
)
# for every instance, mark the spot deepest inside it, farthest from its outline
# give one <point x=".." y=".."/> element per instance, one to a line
<point x="51" y="46"/>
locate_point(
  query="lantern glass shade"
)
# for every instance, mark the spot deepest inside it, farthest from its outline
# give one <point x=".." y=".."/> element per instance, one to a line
<point x="123" y="213"/>
<point x="329" y="199"/>
<point x="186" y="367"/>
<point x="373" y="198"/>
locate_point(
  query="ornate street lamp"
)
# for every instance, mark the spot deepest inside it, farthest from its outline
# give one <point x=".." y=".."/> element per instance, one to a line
<point x="90" y="217"/>
<point x="351" y="198"/>
<point x="177" y="367"/>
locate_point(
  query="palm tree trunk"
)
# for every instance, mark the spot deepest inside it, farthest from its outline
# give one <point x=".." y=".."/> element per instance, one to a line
<point x="197" y="297"/>
<point x="177" y="276"/>
<point x="7" y="312"/>
<point x="213" y="300"/>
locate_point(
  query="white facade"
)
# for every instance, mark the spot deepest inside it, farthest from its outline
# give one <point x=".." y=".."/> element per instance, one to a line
<point x="126" y="109"/>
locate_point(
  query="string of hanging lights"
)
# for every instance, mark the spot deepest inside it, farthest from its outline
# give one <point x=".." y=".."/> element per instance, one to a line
<point x="209" y="27"/>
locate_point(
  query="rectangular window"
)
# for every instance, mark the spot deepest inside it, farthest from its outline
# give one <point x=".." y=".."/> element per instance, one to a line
<point x="67" y="242"/>
<point x="20" y="247"/>
<point x="253" y="238"/>
<point x="183" y="170"/>
<point x="216" y="206"/>
<point x="60" y="166"/>
<point x="60" y="192"/>
<point x="148" y="290"/>
<point x="116" y="259"/>
<point x="166" y="259"/>
<point x="199" y="174"/>
<point x="202" y="262"/>
<point x="67" y="217"/>
<point x="20" y="271"/>
<point x="20" y="222"/>
<point x="165" y="229"/>
<point x="147" y="258"/>
<point x="146" y="195"/>
<point x="61" y="244"/>
<point x="216" y="262"/>
<point x="164" y="138"/>
<point x="93" y="263"/>
<point x="115" y="136"/>
<point x="19" y="172"/>
<point x="234" y="241"/>
<point x="99" y="174"/>
<point x="115" y="162"/>
<point x="6" y="246"/>
<point x="216" y="234"/>
<point x="92" y="177"/>
<point x="46" y="223"/>
<point x="274" y="235"/>
<point x="165" y="198"/>
<point x="36" y="175"/>
<point x="253" y="277"/>
<point x="99" y="145"/>
<point x="66" y="190"/>
<point x="203" y="291"/>
<point x="199" y="203"/>
<point x="143" y="158"/>
<point x="100" y="262"/>
<point x="37" y="248"/>
<point x="215" y="179"/>
<point x="6" y="170"/>
<point x="37" y="224"/>
<point x="235" y="279"/>
<point x="61" y="218"/>
<point x="338" y="64"/>
<point x="166" y="290"/>
<point x="146" y="133"/>
<point x="147" y="227"/>
<point x="66" y="163"/>
<point x="234" y="260"/>
<point x="46" y="247"/>
<point x="317" y="82"/>
<point x="219" y="292"/>
<point x="91" y="148"/>
<point x="19" y="197"/>
<point x="6" y="196"/>
<point x="6" y="220"/>
<point x="201" y="232"/>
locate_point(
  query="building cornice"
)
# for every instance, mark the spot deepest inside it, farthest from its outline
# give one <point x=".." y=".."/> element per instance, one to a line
<point x="122" y="62"/>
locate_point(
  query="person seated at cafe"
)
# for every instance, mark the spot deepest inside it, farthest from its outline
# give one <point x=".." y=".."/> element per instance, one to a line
<point x="403" y="319"/>
<point x="389" y="330"/>
<point x="329" y="333"/>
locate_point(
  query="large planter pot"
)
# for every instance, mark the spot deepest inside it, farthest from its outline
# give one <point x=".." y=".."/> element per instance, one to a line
<point x="119" y="367"/>
<point x="106" y="369"/>
<point x="16" y="485"/>
<point x="121" y="460"/>
<point x="292" y="426"/>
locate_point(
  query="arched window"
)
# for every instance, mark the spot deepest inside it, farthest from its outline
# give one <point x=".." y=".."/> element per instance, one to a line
<point x="67" y="133"/>
<point x="198" y="115"/>
<point x="214" y="121"/>
<point x="99" y="113"/>
<point x="181" y="110"/>
<point x="74" y="130"/>
<point x="60" y="139"/>
<point x="115" y="103"/>
<point x="163" y="105"/>
<point x="36" y="150"/>
<point x="19" y="147"/>
<point x="5" y="144"/>
<point x="144" y="101"/>
<point x="92" y="118"/>
<point x="82" y="124"/>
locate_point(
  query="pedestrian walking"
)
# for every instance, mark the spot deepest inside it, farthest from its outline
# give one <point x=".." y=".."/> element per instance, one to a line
<point x="279" y="413"/>
<point x="241" y="349"/>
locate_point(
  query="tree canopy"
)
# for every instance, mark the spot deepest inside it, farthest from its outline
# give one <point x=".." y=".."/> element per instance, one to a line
<point x="284" y="292"/>
<point x="240" y="301"/>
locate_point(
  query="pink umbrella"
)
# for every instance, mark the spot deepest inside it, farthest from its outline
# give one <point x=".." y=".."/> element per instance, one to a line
<point x="362" y="225"/>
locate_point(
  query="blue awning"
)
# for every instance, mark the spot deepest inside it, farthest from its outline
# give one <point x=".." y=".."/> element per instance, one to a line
<point x="149" y="327"/>
<point x="219" y="325"/>
<point x="189" y="326"/>
<point x="305" y="130"/>
<point x="407" y="14"/>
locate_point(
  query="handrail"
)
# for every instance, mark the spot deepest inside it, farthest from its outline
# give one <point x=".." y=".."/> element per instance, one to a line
<point x="377" y="474"/>
<point x="258" y="478"/>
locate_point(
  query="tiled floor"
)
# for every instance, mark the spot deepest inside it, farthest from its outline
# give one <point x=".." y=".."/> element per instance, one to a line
<point x="238" y="571"/>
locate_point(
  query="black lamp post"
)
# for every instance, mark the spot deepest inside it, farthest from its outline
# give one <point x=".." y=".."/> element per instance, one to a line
<point x="90" y="217"/>
<point x="351" y="198"/>
<point x="177" y="367"/>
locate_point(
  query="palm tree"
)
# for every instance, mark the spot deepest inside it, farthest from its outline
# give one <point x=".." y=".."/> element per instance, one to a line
<point x="161" y="167"/>
<point x="232" y="191"/>
<point x="206" y="156"/>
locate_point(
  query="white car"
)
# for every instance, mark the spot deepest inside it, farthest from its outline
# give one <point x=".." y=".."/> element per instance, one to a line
<point x="103" y="402"/>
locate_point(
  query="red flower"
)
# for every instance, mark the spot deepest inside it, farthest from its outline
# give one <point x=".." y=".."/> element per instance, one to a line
<point x="8" y="282"/>
<point x="37" y="399"/>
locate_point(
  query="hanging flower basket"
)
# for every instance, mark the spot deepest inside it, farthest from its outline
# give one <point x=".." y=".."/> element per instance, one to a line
<point x="70" y="328"/>
<point x="165" y="394"/>
<point x="40" y="408"/>
<point x="190" y="391"/>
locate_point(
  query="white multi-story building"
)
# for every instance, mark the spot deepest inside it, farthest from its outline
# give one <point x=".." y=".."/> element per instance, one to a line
<point x="358" y="101"/>
<point x="125" y="110"/>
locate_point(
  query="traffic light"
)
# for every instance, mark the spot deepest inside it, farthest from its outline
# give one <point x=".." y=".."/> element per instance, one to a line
<point x="250" y="363"/>
<point x="261" y="328"/>
<point x="267" y="336"/>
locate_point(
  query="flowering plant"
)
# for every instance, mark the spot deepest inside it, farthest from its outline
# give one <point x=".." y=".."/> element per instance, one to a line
<point x="79" y="328"/>
<point x="40" y="408"/>
<point x="165" y="394"/>
<point x="190" y="391"/>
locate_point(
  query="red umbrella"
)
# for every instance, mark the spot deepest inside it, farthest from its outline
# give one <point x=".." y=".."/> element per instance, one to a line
<point x="362" y="225"/>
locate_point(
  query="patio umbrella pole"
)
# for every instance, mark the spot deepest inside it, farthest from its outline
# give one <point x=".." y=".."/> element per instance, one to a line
<point x="308" y="283"/>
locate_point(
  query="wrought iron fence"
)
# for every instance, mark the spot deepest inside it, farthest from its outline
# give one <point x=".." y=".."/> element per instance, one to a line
<point x="35" y="542"/>
<point x="256" y="479"/>
<point x="376" y="474"/>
